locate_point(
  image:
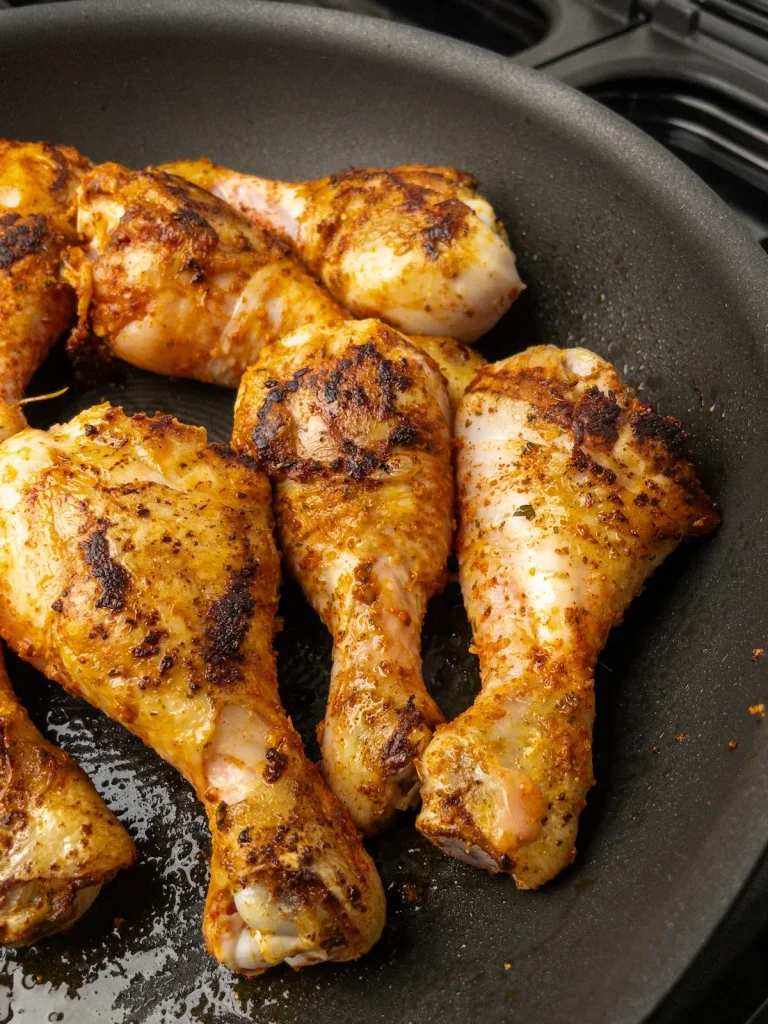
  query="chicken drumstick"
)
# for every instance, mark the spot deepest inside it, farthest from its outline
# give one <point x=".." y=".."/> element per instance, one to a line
<point x="352" y="423"/>
<point x="37" y="185"/>
<point x="184" y="659"/>
<point x="59" y="841"/>
<point x="175" y="281"/>
<point x="417" y="247"/>
<point x="571" y="492"/>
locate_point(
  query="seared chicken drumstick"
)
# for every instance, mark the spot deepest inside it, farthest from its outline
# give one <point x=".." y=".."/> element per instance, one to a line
<point x="571" y="492"/>
<point x="37" y="183"/>
<point x="59" y="842"/>
<point x="417" y="247"/>
<point x="175" y="281"/>
<point x="352" y="423"/>
<point x="184" y="659"/>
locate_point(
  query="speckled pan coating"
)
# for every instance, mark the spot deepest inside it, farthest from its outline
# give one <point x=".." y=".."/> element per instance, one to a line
<point x="623" y="251"/>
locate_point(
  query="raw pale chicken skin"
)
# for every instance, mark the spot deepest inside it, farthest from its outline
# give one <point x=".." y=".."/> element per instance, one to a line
<point x="570" y="492"/>
<point x="417" y="247"/>
<point x="353" y="425"/>
<point x="59" y="842"/>
<point x="183" y="658"/>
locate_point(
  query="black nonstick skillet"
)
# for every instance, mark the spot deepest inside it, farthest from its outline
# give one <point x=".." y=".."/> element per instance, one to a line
<point x="624" y="251"/>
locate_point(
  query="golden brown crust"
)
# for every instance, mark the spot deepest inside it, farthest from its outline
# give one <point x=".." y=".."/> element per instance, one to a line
<point x="57" y="838"/>
<point x="356" y="396"/>
<point x="592" y="418"/>
<point x="351" y="424"/>
<point x="351" y="204"/>
<point x="38" y="178"/>
<point x="37" y="183"/>
<point x="183" y="657"/>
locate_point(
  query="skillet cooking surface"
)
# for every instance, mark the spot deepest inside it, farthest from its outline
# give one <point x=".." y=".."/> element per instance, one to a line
<point x="623" y="251"/>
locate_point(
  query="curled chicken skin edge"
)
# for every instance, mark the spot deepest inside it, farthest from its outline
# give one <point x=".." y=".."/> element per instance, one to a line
<point x="352" y="424"/>
<point x="185" y="661"/>
<point x="571" y="492"/>
<point x="175" y="281"/>
<point x="415" y="246"/>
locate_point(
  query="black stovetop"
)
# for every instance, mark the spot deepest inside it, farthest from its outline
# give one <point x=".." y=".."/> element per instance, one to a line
<point x="694" y="74"/>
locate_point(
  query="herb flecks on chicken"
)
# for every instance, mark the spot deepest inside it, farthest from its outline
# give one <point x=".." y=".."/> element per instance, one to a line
<point x="571" y="491"/>
<point x="138" y="569"/>
<point x="417" y="247"/>
<point x="352" y="424"/>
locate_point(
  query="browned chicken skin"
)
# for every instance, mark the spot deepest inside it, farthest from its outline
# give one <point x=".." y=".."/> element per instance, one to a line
<point x="37" y="185"/>
<point x="183" y="657"/>
<point x="571" y="492"/>
<point x="59" y="842"/>
<point x="415" y="246"/>
<point x="352" y="423"/>
<point x="174" y="280"/>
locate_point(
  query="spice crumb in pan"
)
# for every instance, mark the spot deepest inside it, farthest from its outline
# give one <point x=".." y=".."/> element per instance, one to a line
<point x="680" y="737"/>
<point x="757" y="710"/>
<point x="757" y="653"/>
<point x="732" y="744"/>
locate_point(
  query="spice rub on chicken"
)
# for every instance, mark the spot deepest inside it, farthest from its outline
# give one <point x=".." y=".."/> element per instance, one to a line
<point x="183" y="658"/>
<point x="59" y="842"/>
<point x="415" y="246"/>
<point x="571" y="491"/>
<point x="173" y="280"/>
<point x="37" y="184"/>
<point x="352" y="424"/>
